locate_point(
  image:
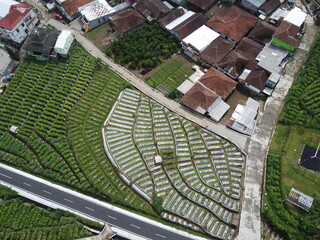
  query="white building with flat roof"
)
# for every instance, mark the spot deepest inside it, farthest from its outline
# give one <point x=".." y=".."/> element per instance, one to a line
<point x="64" y="42"/>
<point x="296" y="16"/>
<point x="197" y="41"/>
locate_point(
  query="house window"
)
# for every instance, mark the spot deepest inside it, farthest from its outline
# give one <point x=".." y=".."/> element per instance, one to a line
<point x="26" y="31"/>
<point x="28" y="19"/>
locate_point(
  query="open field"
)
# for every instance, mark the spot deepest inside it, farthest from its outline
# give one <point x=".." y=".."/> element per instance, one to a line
<point x="199" y="180"/>
<point x="22" y="220"/>
<point x="171" y="74"/>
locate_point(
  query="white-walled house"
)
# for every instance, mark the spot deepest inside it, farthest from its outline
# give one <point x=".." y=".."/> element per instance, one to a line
<point x="64" y="43"/>
<point x="17" y="20"/>
<point x="98" y="12"/>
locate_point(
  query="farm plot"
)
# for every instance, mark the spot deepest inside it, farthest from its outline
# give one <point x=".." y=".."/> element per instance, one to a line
<point x="37" y="102"/>
<point x="170" y="75"/>
<point x="22" y="220"/>
<point x="196" y="173"/>
<point x="57" y="138"/>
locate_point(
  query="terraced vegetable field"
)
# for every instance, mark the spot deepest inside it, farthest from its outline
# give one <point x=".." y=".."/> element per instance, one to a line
<point x="57" y="139"/>
<point x="194" y="174"/>
<point x="22" y="220"/>
<point x="171" y="74"/>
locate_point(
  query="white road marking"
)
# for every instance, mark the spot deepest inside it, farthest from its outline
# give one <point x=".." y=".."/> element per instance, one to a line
<point x="5" y="176"/>
<point x="90" y="209"/>
<point x="27" y="184"/>
<point x="160" y="235"/>
<point x="46" y="192"/>
<point x="135" y="226"/>
<point x="68" y="200"/>
<point x="112" y="217"/>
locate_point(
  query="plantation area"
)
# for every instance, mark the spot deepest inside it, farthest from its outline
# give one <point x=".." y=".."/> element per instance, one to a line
<point x="302" y="104"/>
<point x="20" y="219"/>
<point x="170" y="75"/>
<point x="298" y="125"/>
<point x="143" y="48"/>
<point x="198" y="181"/>
<point x="59" y="108"/>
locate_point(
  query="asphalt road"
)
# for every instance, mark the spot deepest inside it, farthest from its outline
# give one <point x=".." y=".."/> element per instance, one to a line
<point x="113" y="218"/>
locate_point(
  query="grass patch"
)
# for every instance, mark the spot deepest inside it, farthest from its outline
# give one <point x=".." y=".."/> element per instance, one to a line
<point x="171" y="74"/>
<point x="98" y="34"/>
<point x="289" y="142"/>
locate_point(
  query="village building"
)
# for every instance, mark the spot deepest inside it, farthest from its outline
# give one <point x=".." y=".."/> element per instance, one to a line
<point x="151" y="9"/>
<point x="127" y="21"/>
<point x="201" y="5"/>
<point x="207" y="95"/>
<point x="197" y="41"/>
<point x="46" y="44"/>
<point x="98" y="12"/>
<point x="262" y="32"/>
<point x="183" y="26"/>
<point x="215" y="52"/>
<point x="287" y="36"/>
<point x="69" y="8"/>
<point x="244" y="117"/>
<point x="234" y="24"/>
<point x="269" y="7"/>
<point x="64" y="43"/>
<point x="17" y="21"/>
<point x="252" y="5"/>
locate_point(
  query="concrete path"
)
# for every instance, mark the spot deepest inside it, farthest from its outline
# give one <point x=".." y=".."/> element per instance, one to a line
<point x="250" y="224"/>
<point x="240" y="140"/>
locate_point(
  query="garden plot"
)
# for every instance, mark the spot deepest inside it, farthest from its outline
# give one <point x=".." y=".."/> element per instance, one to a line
<point x="197" y="174"/>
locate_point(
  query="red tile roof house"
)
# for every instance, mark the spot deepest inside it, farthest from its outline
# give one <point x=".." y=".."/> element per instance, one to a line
<point x="236" y="61"/>
<point x="255" y="80"/>
<point x="218" y="83"/>
<point x="151" y="9"/>
<point x="171" y="16"/>
<point x="127" y="21"/>
<point x="204" y="101"/>
<point x="233" y="64"/>
<point x="207" y="95"/>
<point x="287" y="36"/>
<point x="249" y="48"/>
<point x="202" y="5"/>
<point x="269" y="6"/>
<point x="188" y="26"/>
<point x="215" y="52"/>
<point x="234" y="24"/>
<point x="199" y="98"/>
<point x="262" y="32"/>
<point x="17" y="21"/>
<point x="69" y="8"/>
